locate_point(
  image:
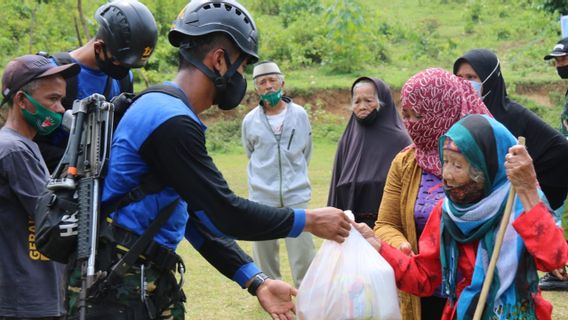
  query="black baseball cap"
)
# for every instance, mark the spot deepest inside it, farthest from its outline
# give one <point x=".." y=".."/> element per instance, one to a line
<point x="24" y="69"/>
<point x="559" y="50"/>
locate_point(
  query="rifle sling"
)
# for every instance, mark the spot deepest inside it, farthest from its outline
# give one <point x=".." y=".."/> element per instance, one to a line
<point x="150" y="184"/>
<point x="108" y="87"/>
<point x="119" y="268"/>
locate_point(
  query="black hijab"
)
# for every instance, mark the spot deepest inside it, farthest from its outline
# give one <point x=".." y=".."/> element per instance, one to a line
<point x="547" y="147"/>
<point x="363" y="158"/>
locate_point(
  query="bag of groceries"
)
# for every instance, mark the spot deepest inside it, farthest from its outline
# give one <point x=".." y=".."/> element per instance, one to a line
<point x="350" y="280"/>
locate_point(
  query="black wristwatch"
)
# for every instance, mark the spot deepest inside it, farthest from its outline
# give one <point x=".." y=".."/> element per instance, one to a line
<point x="257" y="280"/>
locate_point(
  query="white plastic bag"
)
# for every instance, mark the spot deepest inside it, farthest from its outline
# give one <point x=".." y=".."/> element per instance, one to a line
<point x="348" y="281"/>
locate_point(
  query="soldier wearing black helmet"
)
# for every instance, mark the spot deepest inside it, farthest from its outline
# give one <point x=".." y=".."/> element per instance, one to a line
<point x="125" y="39"/>
<point x="164" y="135"/>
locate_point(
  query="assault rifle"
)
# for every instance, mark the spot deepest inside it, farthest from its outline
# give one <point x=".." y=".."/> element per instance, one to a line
<point x="81" y="171"/>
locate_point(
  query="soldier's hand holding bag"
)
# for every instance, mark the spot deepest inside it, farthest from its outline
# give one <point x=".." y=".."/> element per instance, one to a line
<point x="350" y="280"/>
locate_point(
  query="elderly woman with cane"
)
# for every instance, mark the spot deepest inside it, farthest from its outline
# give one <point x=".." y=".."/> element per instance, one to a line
<point x="480" y="164"/>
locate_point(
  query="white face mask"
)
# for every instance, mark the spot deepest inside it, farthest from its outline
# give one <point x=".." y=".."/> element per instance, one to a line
<point x="476" y="86"/>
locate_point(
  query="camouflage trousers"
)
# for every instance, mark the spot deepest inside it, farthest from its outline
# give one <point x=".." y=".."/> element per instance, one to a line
<point x="124" y="301"/>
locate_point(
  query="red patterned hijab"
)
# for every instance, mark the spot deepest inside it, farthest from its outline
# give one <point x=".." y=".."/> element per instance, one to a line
<point x="441" y="99"/>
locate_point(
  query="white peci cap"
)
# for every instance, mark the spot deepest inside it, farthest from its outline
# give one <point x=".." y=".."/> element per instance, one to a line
<point x="264" y="68"/>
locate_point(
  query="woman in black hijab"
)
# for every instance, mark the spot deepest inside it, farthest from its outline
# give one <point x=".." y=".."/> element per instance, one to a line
<point x="547" y="147"/>
<point x="373" y="137"/>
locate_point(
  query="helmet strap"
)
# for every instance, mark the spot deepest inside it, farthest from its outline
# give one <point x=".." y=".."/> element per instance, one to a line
<point x="219" y="81"/>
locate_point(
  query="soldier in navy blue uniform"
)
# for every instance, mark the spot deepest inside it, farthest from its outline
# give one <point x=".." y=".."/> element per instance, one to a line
<point x="125" y="39"/>
<point x="163" y="135"/>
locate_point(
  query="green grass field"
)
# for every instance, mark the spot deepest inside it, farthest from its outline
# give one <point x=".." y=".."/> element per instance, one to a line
<point x="210" y="296"/>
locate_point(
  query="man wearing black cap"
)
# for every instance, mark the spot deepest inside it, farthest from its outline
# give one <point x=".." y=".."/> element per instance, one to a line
<point x="560" y="55"/>
<point x="30" y="285"/>
<point x="558" y="280"/>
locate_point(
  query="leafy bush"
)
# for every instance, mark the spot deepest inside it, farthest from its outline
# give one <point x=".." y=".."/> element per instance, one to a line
<point x="553" y="6"/>
<point x="296" y="10"/>
<point x="474" y="12"/>
<point x="224" y="136"/>
<point x="301" y="44"/>
<point x="327" y="132"/>
<point x="345" y="48"/>
<point x="326" y="127"/>
<point x="266" y="7"/>
<point x="337" y="37"/>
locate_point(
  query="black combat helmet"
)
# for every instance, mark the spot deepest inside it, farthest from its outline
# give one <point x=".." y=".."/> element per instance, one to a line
<point x="202" y="17"/>
<point x="128" y="30"/>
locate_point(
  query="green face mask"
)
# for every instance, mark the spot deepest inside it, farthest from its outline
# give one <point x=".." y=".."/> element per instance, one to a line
<point x="272" y="97"/>
<point x="44" y="120"/>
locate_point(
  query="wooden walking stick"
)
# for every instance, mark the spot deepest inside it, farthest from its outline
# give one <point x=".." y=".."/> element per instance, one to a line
<point x="498" y="243"/>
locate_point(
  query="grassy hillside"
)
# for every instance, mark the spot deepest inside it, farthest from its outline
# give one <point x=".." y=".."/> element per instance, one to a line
<point x="409" y="35"/>
<point x="322" y="46"/>
<point x="324" y="43"/>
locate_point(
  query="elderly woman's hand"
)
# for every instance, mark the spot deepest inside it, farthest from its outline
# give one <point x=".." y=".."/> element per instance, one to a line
<point x="561" y="273"/>
<point x="368" y="234"/>
<point x="406" y="248"/>
<point x="520" y="171"/>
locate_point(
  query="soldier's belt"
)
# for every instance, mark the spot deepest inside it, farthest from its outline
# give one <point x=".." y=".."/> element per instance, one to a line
<point x="122" y="239"/>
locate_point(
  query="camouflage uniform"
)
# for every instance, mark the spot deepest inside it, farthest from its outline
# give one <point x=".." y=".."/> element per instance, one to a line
<point x="123" y="299"/>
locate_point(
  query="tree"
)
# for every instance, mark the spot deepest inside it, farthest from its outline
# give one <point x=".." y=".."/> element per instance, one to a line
<point x="83" y="23"/>
<point x="552" y="6"/>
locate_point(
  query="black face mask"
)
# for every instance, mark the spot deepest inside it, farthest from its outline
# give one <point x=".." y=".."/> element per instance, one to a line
<point x="230" y="88"/>
<point x="233" y="93"/>
<point x="562" y="72"/>
<point x="106" y="66"/>
<point x="369" y="119"/>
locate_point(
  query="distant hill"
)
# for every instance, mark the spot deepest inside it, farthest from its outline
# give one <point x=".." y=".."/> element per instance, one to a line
<point x="325" y="43"/>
